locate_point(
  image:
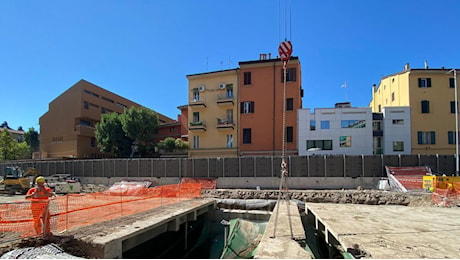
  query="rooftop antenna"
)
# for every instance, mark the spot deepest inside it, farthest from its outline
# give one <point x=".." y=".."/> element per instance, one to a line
<point x="344" y="86"/>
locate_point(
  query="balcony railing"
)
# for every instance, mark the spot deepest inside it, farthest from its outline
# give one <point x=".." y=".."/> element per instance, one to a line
<point x="225" y="123"/>
<point x="197" y="103"/>
<point x="225" y="99"/>
<point x="199" y="125"/>
<point x="84" y="130"/>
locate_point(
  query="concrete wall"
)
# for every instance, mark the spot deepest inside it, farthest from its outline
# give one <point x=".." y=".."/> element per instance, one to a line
<point x="319" y="171"/>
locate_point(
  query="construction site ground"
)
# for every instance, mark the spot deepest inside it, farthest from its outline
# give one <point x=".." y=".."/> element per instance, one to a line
<point x="393" y="205"/>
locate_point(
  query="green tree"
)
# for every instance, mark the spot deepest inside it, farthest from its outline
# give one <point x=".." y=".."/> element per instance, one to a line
<point x="10" y="149"/>
<point x="168" y="144"/>
<point x="110" y="136"/>
<point x="140" y="124"/>
<point x="31" y="138"/>
<point x="181" y="144"/>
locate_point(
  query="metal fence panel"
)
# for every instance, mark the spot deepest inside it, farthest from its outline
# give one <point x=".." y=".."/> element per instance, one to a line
<point x="317" y="166"/>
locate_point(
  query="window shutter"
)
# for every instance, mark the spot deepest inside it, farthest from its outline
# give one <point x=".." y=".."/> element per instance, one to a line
<point x="420" y="137"/>
<point x="428" y="82"/>
<point x="433" y="137"/>
<point x="419" y="82"/>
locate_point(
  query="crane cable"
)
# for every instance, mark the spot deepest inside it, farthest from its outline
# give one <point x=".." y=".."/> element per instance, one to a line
<point x="285" y="50"/>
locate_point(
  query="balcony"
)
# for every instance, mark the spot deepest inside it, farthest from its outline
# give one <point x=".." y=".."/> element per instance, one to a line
<point x="197" y="103"/>
<point x="197" y="126"/>
<point x="84" y="130"/>
<point x="225" y="124"/>
<point x="225" y="100"/>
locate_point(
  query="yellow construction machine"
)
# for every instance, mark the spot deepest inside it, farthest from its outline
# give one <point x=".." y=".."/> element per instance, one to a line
<point x="15" y="179"/>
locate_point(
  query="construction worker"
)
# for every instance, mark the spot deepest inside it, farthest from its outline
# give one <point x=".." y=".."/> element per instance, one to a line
<point x="39" y="197"/>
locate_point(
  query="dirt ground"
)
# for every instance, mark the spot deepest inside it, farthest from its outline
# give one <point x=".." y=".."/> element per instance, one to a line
<point x="67" y="241"/>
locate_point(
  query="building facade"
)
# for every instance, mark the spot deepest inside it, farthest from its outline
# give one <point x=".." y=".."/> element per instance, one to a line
<point x="212" y="110"/>
<point x="430" y="94"/>
<point x="67" y="129"/>
<point x="354" y="131"/>
<point x="339" y="130"/>
<point x="263" y="102"/>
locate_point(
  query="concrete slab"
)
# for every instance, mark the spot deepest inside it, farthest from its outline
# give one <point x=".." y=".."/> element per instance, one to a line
<point x="391" y="231"/>
<point x="282" y="243"/>
<point x="111" y="242"/>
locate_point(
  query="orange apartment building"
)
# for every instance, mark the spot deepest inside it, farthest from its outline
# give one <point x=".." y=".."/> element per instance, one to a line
<point x="67" y="128"/>
<point x="261" y="87"/>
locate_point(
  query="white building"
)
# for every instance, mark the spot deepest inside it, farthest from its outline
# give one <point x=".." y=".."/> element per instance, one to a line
<point x="396" y="130"/>
<point x="350" y="130"/>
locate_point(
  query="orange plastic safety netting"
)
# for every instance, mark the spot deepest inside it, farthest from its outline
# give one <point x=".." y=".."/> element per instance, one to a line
<point x="75" y="210"/>
<point x="206" y="183"/>
<point x="449" y="197"/>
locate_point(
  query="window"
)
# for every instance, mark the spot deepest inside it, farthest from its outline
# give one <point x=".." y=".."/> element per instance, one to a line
<point x="229" y="141"/>
<point x="392" y="96"/>
<point x="325" y="124"/>
<point x="229" y="88"/>
<point x="398" y="122"/>
<point x="452" y="106"/>
<point x="247" y="78"/>
<point x="85" y="105"/>
<point x="196" y="142"/>
<point x="290" y="74"/>
<point x="398" y="146"/>
<point x="196" y="117"/>
<point x="380" y="108"/>
<point x="90" y="93"/>
<point x="345" y="141"/>
<point x="93" y="142"/>
<point x="353" y="123"/>
<point x="376" y="126"/>
<point x="247" y="107"/>
<point x="107" y="99"/>
<point x="289" y="104"/>
<point x="426" y="137"/>
<point x="289" y="134"/>
<point x="452" y="83"/>
<point x="172" y="129"/>
<point x="105" y="110"/>
<point x="451" y="137"/>
<point x="246" y="135"/>
<point x="85" y="123"/>
<point x="312" y="125"/>
<point x="229" y="113"/>
<point x="196" y="96"/>
<point x="424" y="82"/>
<point x="425" y="106"/>
<point x="321" y="144"/>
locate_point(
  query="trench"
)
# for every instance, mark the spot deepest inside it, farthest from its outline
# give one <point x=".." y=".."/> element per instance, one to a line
<point x="205" y="238"/>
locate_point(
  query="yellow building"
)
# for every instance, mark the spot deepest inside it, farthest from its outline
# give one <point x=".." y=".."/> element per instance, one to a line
<point x="430" y="94"/>
<point x="212" y="129"/>
<point x="67" y="128"/>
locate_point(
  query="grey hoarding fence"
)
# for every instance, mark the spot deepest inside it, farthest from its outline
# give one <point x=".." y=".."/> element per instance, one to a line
<point x="259" y="166"/>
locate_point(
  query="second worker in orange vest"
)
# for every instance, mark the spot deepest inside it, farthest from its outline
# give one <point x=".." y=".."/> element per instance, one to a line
<point x="39" y="197"/>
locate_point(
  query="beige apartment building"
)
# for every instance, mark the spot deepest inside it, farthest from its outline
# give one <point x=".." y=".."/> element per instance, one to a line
<point x="67" y="128"/>
<point x="430" y="94"/>
<point x="212" y="111"/>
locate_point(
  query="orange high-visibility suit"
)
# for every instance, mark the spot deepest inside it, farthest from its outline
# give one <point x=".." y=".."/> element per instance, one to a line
<point x="39" y="208"/>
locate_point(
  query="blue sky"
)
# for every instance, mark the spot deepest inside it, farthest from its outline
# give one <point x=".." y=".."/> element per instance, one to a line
<point x="143" y="50"/>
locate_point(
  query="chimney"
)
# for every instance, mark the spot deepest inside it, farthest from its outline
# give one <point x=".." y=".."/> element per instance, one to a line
<point x="269" y="56"/>
<point x="406" y="66"/>
<point x="263" y="56"/>
<point x="426" y="65"/>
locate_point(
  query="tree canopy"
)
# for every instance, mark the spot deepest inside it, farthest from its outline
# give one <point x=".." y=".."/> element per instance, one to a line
<point x="31" y="138"/>
<point x="11" y="149"/>
<point x="128" y="133"/>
